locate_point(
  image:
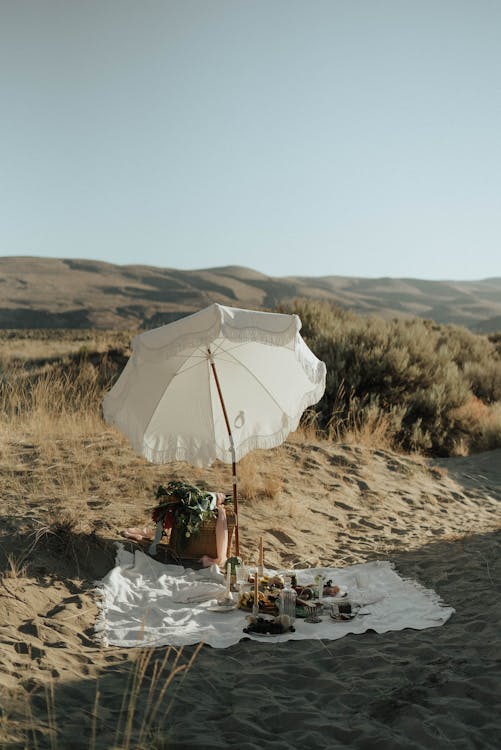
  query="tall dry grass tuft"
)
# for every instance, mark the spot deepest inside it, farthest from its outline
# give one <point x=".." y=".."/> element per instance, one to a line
<point x="259" y="475"/>
<point x="372" y="428"/>
<point x="148" y="683"/>
<point x="309" y="430"/>
<point x="481" y="424"/>
<point x="140" y="721"/>
<point x="16" y="567"/>
<point x="358" y="421"/>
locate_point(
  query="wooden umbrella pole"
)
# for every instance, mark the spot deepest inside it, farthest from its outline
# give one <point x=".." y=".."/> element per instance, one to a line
<point x="232" y="447"/>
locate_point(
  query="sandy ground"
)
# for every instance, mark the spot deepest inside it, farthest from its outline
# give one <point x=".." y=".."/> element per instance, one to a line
<point x="439" y="522"/>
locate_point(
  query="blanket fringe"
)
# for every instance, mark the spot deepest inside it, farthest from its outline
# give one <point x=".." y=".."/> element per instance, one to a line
<point x="429" y="594"/>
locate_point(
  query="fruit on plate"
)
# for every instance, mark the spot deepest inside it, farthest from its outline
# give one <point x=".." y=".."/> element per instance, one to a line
<point x="265" y="601"/>
<point x="276" y="581"/>
<point x="308" y="591"/>
<point x="264" y="626"/>
<point x="330" y="589"/>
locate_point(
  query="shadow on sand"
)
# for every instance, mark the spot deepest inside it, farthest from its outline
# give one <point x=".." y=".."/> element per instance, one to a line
<point x="433" y="688"/>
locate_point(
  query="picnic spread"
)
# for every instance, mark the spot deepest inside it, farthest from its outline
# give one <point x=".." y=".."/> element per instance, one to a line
<point x="213" y="386"/>
<point x="144" y="602"/>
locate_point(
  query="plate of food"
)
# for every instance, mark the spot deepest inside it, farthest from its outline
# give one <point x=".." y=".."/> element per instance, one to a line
<point x="266" y="627"/>
<point x="344" y="610"/>
<point x="330" y="592"/>
<point x="266" y="602"/>
<point x="341" y="593"/>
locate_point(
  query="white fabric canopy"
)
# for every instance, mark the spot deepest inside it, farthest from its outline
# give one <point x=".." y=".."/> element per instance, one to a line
<point x="166" y="400"/>
<point x="146" y="603"/>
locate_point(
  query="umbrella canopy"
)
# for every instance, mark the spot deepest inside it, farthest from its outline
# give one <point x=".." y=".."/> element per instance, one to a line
<point x="215" y="385"/>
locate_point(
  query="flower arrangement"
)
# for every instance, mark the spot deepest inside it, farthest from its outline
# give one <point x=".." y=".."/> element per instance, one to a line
<point x="184" y="504"/>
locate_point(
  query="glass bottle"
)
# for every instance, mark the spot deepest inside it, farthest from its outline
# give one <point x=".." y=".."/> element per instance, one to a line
<point x="287" y="600"/>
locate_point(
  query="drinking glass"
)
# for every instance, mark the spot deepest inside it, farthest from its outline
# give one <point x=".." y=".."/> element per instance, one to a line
<point x="241" y="576"/>
<point x="362" y="580"/>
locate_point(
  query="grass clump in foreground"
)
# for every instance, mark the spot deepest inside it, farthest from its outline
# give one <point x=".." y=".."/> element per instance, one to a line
<point x="62" y="689"/>
<point x="128" y="707"/>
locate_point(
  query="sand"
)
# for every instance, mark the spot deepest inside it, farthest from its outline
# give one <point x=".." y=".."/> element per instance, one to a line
<point x="439" y="522"/>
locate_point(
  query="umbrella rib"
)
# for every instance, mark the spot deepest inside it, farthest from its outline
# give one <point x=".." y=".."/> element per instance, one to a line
<point x="187" y="369"/>
<point x="253" y="376"/>
<point x="202" y="358"/>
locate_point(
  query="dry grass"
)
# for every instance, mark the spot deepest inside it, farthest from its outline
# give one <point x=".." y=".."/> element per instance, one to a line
<point x="56" y="445"/>
<point x="45" y="344"/>
<point x="79" y="477"/>
<point x="258" y="477"/>
<point x="74" y="483"/>
<point x="484" y="426"/>
<point x="16" y="567"/>
<point x="153" y="678"/>
<point x="371" y="428"/>
<point x="147" y="683"/>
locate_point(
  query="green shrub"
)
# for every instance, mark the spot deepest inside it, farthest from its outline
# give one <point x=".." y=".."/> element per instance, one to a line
<point x="417" y="373"/>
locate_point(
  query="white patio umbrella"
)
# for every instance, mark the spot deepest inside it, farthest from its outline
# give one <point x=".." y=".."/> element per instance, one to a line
<point x="215" y="385"/>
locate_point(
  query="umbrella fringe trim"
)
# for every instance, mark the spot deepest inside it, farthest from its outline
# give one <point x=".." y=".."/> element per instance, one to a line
<point x="145" y="353"/>
<point x="205" y="458"/>
<point x="313" y="367"/>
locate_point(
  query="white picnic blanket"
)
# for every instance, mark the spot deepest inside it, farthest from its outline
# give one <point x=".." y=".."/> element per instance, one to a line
<point x="147" y="603"/>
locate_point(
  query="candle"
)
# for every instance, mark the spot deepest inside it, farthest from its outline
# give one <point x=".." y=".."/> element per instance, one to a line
<point x="260" y="560"/>
<point x="256" y="600"/>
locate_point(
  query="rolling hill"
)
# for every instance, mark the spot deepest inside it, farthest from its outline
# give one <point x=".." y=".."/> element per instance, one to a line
<point x="63" y="293"/>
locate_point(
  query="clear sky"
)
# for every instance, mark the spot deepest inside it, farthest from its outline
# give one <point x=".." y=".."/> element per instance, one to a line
<point x="296" y="137"/>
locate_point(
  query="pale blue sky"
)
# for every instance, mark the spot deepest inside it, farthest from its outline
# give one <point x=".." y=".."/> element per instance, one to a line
<point x="297" y="137"/>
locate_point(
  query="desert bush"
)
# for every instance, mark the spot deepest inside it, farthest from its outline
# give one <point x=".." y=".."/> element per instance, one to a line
<point x="397" y="383"/>
<point x="413" y="377"/>
<point x="495" y="338"/>
<point x="478" y="357"/>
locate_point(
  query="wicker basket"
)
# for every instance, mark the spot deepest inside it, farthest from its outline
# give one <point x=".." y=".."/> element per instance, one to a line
<point x="204" y="543"/>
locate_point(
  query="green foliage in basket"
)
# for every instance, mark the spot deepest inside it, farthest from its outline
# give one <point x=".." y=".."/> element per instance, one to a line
<point x="184" y="504"/>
